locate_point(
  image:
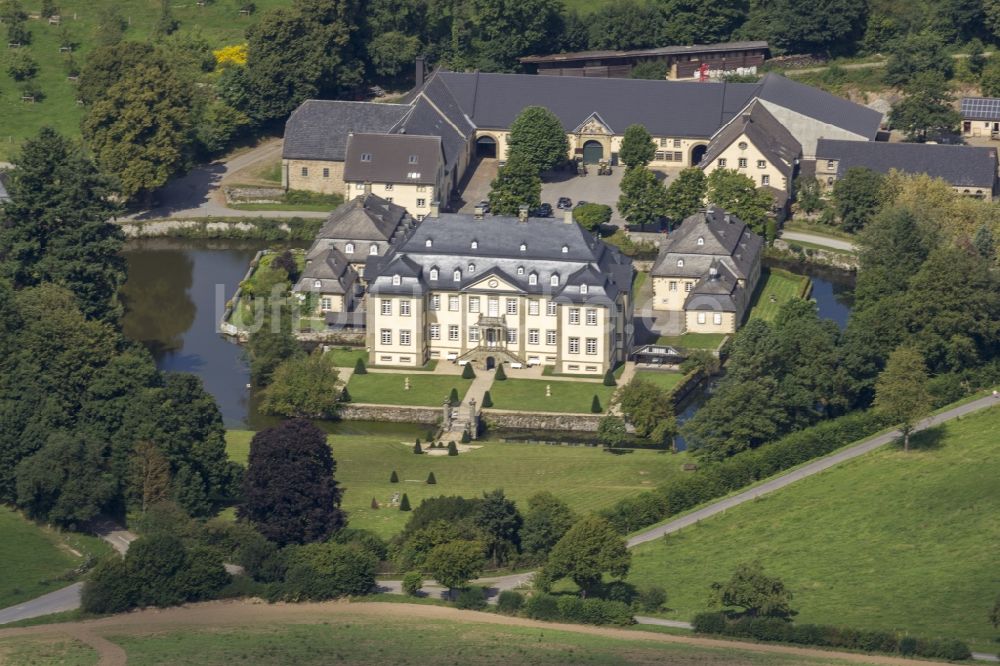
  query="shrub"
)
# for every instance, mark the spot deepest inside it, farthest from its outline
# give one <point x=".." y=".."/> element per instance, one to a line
<point x="500" y="374"/>
<point x="412" y="582"/>
<point x="393" y="478"/>
<point x="466" y="437"/>
<point x="365" y="539"/>
<point x="359" y="367"/>
<point x="509" y="602"/>
<point x="345" y="396"/>
<point x="404" y="504"/>
<point x="108" y="589"/>
<point x="328" y="570"/>
<point x="21" y="66"/>
<point x="594" y="611"/>
<point x="430" y="479"/>
<point x="416" y="448"/>
<point x="618" y="590"/>
<point x="570" y="608"/>
<point x="471" y="598"/>
<point x="452" y="449"/>
<point x="651" y="598"/>
<point x="468" y="372"/>
<point x="595" y="405"/>
<point x="542" y="607"/>
<point x="374" y="504"/>
<point x="709" y="623"/>
<point x="609" y="378"/>
<point x="453" y="398"/>
<point x="487" y="400"/>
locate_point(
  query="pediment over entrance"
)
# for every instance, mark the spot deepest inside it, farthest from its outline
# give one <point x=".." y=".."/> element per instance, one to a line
<point x="493" y="282"/>
<point x="594" y="124"/>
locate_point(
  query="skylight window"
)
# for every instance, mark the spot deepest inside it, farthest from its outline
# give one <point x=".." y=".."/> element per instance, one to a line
<point x="413" y="159"/>
<point x="366" y="157"/>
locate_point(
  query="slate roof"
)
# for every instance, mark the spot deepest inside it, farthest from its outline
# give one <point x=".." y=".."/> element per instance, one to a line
<point x="662" y="51"/>
<point x="819" y="104"/>
<point x="765" y="132"/>
<point x="980" y="108"/>
<point x="714" y="292"/>
<point x="330" y="268"/>
<point x="393" y="158"/>
<point x="727" y="242"/>
<point x="424" y="119"/>
<point x="318" y="129"/>
<point x="960" y="166"/>
<point x="665" y="108"/>
<point x="605" y="271"/>
<point x="366" y="217"/>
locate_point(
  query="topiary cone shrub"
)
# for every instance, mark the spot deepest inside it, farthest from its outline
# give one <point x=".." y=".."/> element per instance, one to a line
<point x="393" y="478"/>
<point x="345" y="396"/>
<point x="359" y="367"/>
<point x="453" y="398"/>
<point x="466" y="438"/>
<point x="374" y="503"/>
<point x="452" y="448"/>
<point x="417" y="449"/>
<point x="431" y="480"/>
<point x="404" y="504"/>
<point x="487" y="400"/>
<point x="609" y="378"/>
<point x="468" y="372"/>
<point x="500" y="375"/>
<point x="595" y="406"/>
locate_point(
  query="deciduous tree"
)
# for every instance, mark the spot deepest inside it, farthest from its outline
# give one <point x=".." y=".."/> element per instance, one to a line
<point x="303" y="386"/>
<point x="901" y="391"/>
<point x="648" y="408"/>
<point x="754" y="593"/>
<point x="455" y="563"/>
<point x="637" y="147"/>
<point x="693" y="22"/>
<point x="857" y="196"/>
<point x="643" y="198"/>
<point x="538" y="137"/>
<point x="289" y="492"/>
<point x="500" y="521"/>
<point x="926" y="108"/>
<point x="686" y="194"/>
<point x="517" y="184"/>
<point x="548" y="518"/>
<point x="737" y="194"/>
<point x="149" y="481"/>
<point x="915" y="54"/>
<point x="590" y="549"/>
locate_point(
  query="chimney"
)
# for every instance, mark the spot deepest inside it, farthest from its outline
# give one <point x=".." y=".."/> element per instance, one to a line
<point x="478" y="212"/>
<point x="435" y="208"/>
<point x="522" y="212"/>
<point x="728" y="218"/>
<point x="419" y="73"/>
<point x="368" y="189"/>
<point x="713" y="273"/>
<point x="568" y="216"/>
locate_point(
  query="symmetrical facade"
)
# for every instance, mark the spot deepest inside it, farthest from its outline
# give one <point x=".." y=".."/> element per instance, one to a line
<point x="707" y="272"/>
<point x="503" y="289"/>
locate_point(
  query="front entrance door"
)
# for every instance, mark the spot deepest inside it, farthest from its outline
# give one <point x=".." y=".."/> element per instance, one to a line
<point x="490" y="362"/>
<point x="593" y="152"/>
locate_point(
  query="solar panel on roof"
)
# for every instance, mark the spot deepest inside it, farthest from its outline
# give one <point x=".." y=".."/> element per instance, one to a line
<point x="981" y="107"/>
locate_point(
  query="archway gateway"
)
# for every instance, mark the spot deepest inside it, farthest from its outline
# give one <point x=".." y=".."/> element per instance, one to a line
<point x="593" y="152"/>
<point x="486" y="146"/>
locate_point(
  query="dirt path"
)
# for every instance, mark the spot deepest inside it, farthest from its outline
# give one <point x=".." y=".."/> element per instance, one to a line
<point x="245" y="613"/>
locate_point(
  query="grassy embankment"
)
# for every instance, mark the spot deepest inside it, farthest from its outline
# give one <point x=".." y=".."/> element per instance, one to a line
<point x="37" y="560"/>
<point x="528" y="395"/>
<point x="776" y="288"/>
<point x="892" y="541"/>
<point x="587" y="478"/>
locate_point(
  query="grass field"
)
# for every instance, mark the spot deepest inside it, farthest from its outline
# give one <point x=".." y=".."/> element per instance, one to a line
<point x="34" y="557"/>
<point x="389" y="388"/>
<point x="776" y="288"/>
<point x="693" y="340"/>
<point x="394" y="634"/>
<point x="218" y="22"/>
<point x="529" y="395"/>
<point x="892" y="541"/>
<point x="587" y="478"/>
<point x="347" y="357"/>
<point x="809" y="227"/>
<point x="665" y="380"/>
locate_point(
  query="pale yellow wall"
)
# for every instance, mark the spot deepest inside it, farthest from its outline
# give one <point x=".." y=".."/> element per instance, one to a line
<point x="732" y="155"/>
<point x="293" y="179"/>
<point x="407" y="195"/>
<point x="726" y="325"/>
<point x="669" y="145"/>
<point x="336" y="303"/>
<point x="979" y="128"/>
<point x="665" y="298"/>
<point x="581" y="359"/>
<point x="411" y="355"/>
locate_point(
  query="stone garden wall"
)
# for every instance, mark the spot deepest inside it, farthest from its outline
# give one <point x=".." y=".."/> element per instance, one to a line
<point x="353" y="411"/>
<point x="501" y="418"/>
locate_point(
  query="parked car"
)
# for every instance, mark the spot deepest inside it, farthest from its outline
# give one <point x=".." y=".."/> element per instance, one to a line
<point x="564" y="203"/>
<point x="545" y="210"/>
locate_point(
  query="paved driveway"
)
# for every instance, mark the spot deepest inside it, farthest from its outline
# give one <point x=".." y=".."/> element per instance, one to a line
<point x="592" y="188"/>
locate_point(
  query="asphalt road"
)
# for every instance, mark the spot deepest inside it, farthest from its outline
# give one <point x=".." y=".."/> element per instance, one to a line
<point x="60" y="601"/>
<point x="816" y="239"/>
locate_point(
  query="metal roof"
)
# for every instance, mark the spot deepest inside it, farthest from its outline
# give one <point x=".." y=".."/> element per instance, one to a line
<point x="960" y="166"/>
<point x="662" y="51"/>
<point x="980" y="108"/>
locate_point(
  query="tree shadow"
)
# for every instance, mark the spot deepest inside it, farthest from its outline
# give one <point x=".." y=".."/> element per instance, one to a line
<point x="931" y="439"/>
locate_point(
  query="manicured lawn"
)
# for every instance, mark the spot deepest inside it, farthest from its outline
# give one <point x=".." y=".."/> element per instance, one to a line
<point x="665" y="380"/>
<point x="34" y="557"/>
<point x="776" y="288"/>
<point x="892" y="541"/>
<point x="395" y="638"/>
<point x="529" y="395"/>
<point x="587" y="478"/>
<point x="346" y="357"/>
<point x="389" y="388"/>
<point x="217" y="22"/>
<point x="640" y="279"/>
<point x="693" y="340"/>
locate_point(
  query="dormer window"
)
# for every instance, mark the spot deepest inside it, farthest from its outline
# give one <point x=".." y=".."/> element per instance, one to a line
<point x="565" y="249"/>
<point x="701" y="240"/>
<point x="434" y="274"/>
<point x="457" y="275"/>
<point x="523" y="247"/>
<point x="428" y="243"/>
<point x="373" y="249"/>
<point x="396" y="280"/>
<point x="474" y="245"/>
<point x="413" y="159"/>
<point x="583" y="289"/>
<point x="680" y="263"/>
<point x="554" y="280"/>
<point x="472" y="268"/>
<point x="349" y="248"/>
<point x="520" y="270"/>
<point x="318" y="284"/>
<point x="366" y="157"/>
<point x="533" y="278"/>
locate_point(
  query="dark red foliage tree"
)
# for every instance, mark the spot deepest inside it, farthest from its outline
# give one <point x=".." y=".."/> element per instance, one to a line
<point x="289" y="493"/>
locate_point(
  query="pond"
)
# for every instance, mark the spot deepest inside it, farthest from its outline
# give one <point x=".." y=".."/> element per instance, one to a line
<point x="177" y="290"/>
